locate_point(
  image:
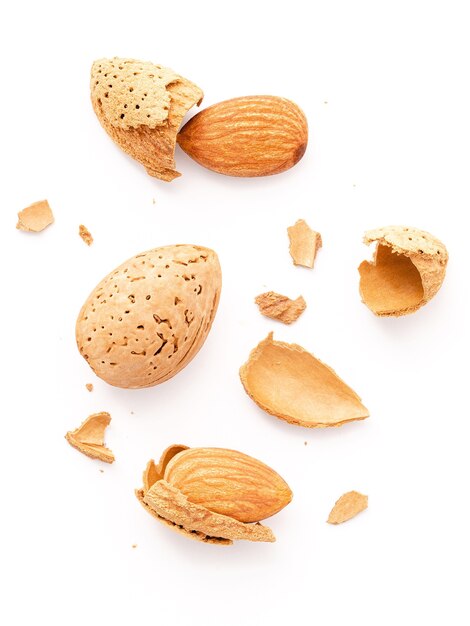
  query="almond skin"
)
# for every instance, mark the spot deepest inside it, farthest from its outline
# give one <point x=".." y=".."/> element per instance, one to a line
<point x="249" y="136"/>
<point x="228" y="482"/>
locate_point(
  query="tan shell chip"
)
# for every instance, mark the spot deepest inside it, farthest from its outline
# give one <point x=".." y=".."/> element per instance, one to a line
<point x="347" y="507"/>
<point x="89" y="386"/>
<point x="304" y="243"/>
<point x="89" y="437"/>
<point x="407" y="270"/>
<point x="35" y="217"/>
<point x="85" y="234"/>
<point x="287" y="381"/>
<point x="141" y="106"/>
<point x="279" y="307"/>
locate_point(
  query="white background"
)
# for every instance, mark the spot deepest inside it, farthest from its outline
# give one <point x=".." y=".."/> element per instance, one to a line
<point x="384" y="86"/>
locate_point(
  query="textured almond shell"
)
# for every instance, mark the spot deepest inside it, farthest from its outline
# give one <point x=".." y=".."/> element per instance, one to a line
<point x="407" y="270"/>
<point x="279" y="307"/>
<point x="141" y="106"/>
<point x="149" y="317"/>
<point x="248" y="136"/>
<point x="228" y="482"/>
<point x="347" y="507"/>
<point x="287" y="381"/>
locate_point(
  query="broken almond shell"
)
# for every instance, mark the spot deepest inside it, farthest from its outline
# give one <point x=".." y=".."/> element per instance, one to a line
<point x="88" y="438"/>
<point x="407" y="270"/>
<point x="287" y="381"/>
<point x="304" y="243"/>
<point x="141" y="106"/>
<point x="279" y="307"/>
<point x="35" y="217"/>
<point x="347" y="507"/>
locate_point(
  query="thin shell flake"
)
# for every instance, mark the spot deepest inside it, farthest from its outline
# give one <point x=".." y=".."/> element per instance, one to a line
<point x="88" y="438"/>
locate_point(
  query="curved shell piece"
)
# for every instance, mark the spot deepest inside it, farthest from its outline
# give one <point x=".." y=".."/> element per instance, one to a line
<point x="88" y="438"/>
<point x="200" y="493"/>
<point x="149" y="317"/>
<point x="141" y="106"/>
<point x="287" y="381"/>
<point x="407" y="270"/>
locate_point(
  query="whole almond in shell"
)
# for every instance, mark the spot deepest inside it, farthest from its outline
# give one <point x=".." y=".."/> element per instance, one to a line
<point x="149" y="317"/>
<point x="249" y="136"/>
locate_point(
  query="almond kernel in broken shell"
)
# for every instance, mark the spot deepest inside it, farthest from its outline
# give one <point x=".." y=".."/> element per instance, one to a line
<point x="287" y="381"/>
<point x="407" y="270"/>
<point x="207" y="494"/>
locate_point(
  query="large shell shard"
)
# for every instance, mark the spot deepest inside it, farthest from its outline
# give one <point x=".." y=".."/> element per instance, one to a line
<point x="287" y="381"/>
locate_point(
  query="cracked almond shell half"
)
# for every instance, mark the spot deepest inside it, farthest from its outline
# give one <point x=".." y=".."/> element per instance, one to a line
<point x="141" y="106"/>
<point x="213" y="495"/>
<point x="287" y="381"/>
<point x="407" y="270"/>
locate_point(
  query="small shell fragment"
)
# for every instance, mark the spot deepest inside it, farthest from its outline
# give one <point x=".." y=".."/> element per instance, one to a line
<point x="88" y="438"/>
<point x="347" y="507"/>
<point x="89" y="386"/>
<point x="304" y="243"/>
<point x="407" y="270"/>
<point x="279" y="307"/>
<point x="85" y="234"/>
<point x="287" y="381"/>
<point x="35" y="217"/>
